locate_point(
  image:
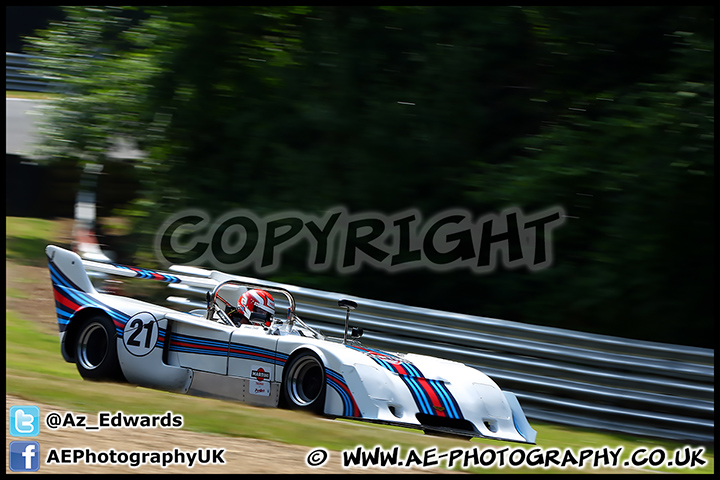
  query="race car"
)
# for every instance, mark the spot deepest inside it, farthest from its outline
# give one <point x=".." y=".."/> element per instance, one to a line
<point x="274" y="361"/>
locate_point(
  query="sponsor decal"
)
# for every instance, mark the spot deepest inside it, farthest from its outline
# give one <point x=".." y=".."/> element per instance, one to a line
<point x="259" y="388"/>
<point x="259" y="373"/>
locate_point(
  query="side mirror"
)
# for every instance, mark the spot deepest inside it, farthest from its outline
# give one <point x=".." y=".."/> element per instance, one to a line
<point x="349" y="305"/>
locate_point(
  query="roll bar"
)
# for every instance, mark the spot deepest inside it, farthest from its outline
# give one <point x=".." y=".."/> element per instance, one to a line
<point x="291" y="318"/>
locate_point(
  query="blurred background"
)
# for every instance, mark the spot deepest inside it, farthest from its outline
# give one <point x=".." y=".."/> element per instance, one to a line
<point x="607" y="112"/>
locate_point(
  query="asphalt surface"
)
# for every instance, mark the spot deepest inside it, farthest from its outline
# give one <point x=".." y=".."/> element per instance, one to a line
<point x="21" y="130"/>
<point x="21" y="118"/>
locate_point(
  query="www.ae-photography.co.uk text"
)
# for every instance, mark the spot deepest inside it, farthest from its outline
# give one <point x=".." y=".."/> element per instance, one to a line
<point x="452" y="239"/>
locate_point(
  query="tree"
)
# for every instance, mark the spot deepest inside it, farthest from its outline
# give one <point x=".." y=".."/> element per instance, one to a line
<point x="633" y="164"/>
<point x="607" y="112"/>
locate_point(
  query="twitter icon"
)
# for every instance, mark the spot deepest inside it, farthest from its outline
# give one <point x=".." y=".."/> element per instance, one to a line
<point x="24" y="421"/>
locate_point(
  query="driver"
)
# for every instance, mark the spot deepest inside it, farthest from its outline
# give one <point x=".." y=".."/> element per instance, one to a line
<point x="256" y="306"/>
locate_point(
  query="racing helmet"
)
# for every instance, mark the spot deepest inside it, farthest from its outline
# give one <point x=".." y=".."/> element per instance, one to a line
<point x="257" y="306"/>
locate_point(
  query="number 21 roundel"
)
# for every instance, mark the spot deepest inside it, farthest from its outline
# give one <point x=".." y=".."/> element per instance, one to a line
<point x="140" y="334"/>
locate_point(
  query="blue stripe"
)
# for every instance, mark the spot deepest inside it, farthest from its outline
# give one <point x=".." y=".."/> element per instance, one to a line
<point x="384" y="364"/>
<point x="443" y="395"/>
<point x="198" y="346"/>
<point x="70" y="290"/>
<point x="337" y="382"/>
<point x="161" y="338"/>
<point x="418" y="394"/>
<point x="347" y="404"/>
<point x="199" y="351"/>
<point x="145" y="273"/>
<point x="84" y="300"/>
<point x="447" y="399"/>
<point x="414" y="371"/>
<point x="258" y="353"/>
<point x="272" y="361"/>
<point x="200" y="341"/>
<point x="59" y="277"/>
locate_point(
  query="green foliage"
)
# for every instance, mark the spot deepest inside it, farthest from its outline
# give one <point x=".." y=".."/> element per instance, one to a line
<point x="634" y="168"/>
<point x="607" y="112"/>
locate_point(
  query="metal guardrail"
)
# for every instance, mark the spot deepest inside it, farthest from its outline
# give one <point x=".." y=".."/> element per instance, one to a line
<point x="18" y="78"/>
<point x="561" y="376"/>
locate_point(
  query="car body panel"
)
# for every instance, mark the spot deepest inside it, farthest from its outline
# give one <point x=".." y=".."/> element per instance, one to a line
<point x="166" y="349"/>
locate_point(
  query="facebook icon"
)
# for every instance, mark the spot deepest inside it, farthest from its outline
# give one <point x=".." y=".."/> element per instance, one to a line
<point x="24" y="456"/>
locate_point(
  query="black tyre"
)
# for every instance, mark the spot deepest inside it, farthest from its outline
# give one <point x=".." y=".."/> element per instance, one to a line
<point x="96" y="349"/>
<point x="304" y="383"/>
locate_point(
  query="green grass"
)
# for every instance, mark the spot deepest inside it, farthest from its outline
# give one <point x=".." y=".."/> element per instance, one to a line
<point x="26" y="238"/>
<point x="36" y="372"/>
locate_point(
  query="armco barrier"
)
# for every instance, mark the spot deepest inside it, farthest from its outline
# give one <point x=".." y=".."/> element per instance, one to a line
<point x="18" y="78"/>
<point x="561" y="376"/>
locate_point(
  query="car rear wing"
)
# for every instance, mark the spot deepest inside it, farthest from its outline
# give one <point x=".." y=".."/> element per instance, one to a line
<point x="136" y="272"/>
<point x="189" y="281"/>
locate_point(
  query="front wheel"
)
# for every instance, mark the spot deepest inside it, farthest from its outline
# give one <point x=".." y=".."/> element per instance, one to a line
<point x="96" y="349"/>
<point x="304" y="383"/>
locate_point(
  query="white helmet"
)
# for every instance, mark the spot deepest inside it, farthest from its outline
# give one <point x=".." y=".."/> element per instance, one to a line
<point x="257" y="306"/>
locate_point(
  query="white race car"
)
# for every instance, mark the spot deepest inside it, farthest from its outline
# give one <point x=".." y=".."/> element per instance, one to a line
<point x="283" y="362"/>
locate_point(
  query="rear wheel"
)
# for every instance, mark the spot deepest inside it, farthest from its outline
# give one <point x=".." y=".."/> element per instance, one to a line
<point x="96" y="349"/>
<point x="304" y="383"/>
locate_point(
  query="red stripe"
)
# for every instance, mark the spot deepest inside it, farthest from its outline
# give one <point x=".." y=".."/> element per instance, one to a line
<point x="153" y="275"/>
<point x="356" y="409"/>
<point x="65" y="301"/>
<point x="432" y="396"/>
<point x="195" y="345"/>
<point x="399" y="368"/>
<point x="254" y="354"/>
